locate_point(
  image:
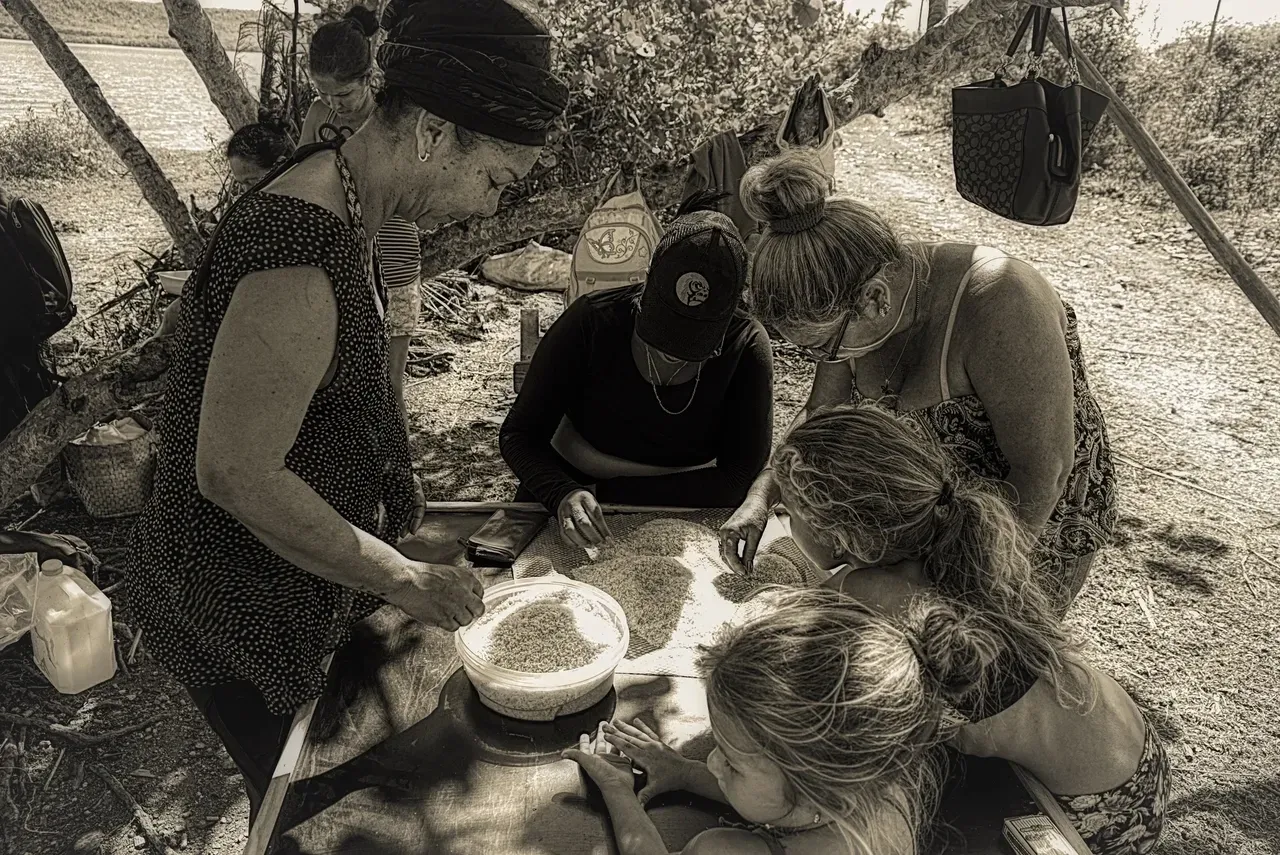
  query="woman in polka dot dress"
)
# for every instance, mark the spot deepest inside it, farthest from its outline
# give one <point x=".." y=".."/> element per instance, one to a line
<point x="284" y="476"/>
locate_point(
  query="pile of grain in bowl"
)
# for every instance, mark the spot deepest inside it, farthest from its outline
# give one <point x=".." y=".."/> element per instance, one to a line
<point x="538" y="632"/>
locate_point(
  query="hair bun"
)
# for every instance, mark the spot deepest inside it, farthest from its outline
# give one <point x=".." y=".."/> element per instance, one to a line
<point x="365" y="18"/>
<point x="788" y="192"/>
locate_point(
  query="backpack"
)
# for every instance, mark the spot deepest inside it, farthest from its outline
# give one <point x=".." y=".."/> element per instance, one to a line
<point x="35" y="280"/>
<point x="615" y="245"/>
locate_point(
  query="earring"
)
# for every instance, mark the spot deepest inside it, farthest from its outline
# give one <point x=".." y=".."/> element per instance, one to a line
<point x="884" y="311"/>
<point x="424" y="155"/>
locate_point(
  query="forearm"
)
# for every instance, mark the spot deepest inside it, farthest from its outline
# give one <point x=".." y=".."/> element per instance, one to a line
<point x="634" y="831"/>
<point x="292" y="519"/>
<point x="538" y="467"/>
<point x="697" y="779"/>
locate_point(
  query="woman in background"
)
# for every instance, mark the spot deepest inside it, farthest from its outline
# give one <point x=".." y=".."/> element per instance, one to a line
<point x="342" y="68"/>
<point x="255" y="150"/>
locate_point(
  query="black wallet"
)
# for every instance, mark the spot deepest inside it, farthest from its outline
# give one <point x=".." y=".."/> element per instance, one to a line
<point x="503" y="537"/>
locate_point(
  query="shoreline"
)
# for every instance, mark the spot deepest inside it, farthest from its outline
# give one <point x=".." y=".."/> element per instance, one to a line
<point x="4" y="40"/>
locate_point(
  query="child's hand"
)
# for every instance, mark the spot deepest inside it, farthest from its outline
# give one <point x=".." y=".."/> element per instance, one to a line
<point x="606" y="767"/>
<point x="665" y="768"/>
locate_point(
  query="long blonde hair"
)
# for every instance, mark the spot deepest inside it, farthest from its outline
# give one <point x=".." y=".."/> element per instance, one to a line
<point x="847" y="703"/>
<point x="815" y="275"/>
<point x="873" y="486"/>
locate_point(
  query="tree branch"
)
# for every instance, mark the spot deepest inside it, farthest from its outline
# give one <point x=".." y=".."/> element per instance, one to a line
<point x="885" y="76"/>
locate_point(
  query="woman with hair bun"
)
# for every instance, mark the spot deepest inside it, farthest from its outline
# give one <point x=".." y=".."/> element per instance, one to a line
<point x="977" y="346"/>
<point x="340" y="62"/>
<point x="285" y="478"/>
<point x="881" y="504"/>
<point x="826" y="718"/>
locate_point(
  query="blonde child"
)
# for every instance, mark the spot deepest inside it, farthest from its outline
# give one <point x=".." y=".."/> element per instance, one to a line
<point x="869" y="492"/>
<point x="825" y="717"/>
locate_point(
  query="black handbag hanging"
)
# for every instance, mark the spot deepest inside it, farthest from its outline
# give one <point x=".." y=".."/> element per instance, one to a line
<point x="1017" y="150"/>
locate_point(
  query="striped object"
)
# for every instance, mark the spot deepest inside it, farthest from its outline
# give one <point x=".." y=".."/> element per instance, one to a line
<point x="400" y="252"/>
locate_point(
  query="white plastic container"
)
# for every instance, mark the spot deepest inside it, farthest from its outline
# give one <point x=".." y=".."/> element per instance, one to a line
<point x="543" y="696"/>
<point x="172" y="281"/>
<point x="71" y="630"/>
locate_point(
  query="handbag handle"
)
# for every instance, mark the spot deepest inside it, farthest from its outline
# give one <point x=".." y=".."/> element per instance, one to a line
<point x="1021" y="33"/>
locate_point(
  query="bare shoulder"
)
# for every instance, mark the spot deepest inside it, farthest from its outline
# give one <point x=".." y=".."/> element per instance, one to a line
<point x="1004" y="291"/>
<point x="726" y="841"/>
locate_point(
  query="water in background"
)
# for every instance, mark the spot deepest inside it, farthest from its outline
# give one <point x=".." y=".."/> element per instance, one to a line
<point x="156" y="91"/>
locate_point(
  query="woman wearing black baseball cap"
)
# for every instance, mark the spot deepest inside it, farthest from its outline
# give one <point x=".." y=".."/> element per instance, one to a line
<point x="655" y="394"/>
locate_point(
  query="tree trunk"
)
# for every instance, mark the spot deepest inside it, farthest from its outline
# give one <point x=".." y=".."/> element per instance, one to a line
<point x="192" y="30"/>
<point x="937" y="11"/>
<point x="75" y="407"/>
<point x="157" y="189"/>
<point x="883" y="77"/>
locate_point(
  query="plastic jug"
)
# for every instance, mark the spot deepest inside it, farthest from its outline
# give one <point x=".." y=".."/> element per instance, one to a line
<point x="71" y="631"/>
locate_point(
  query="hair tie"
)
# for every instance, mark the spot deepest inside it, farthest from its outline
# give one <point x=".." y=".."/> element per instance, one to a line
<point x="917" y="648"/>
<point x="802" y="221"/>
<point x="946" y="495"/>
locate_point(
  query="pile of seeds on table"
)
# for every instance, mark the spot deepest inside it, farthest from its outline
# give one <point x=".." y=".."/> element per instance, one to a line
<point x="652" y="591"/>
<point x="543" y="633"/>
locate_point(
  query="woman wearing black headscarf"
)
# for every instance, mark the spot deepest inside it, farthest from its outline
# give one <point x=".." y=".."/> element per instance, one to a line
<point x="285" y="478"/>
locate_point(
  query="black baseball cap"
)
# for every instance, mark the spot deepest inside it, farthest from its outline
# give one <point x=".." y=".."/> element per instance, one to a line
<point x="694" y="286"/>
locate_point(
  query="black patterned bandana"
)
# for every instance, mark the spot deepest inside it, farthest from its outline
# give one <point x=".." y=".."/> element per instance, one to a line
<point x="484" y="65"/>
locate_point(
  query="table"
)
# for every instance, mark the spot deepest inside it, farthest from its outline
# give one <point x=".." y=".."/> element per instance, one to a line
<point x="398" y="756"/>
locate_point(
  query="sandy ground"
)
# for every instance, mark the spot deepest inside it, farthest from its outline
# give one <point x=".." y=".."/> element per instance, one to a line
<point x="1181" y="610"/>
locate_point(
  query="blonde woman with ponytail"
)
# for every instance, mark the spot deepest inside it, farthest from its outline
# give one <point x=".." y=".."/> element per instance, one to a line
<point x="826" y="723"/>
<point x="878" y="502"/>
<point x="976" y="345"/>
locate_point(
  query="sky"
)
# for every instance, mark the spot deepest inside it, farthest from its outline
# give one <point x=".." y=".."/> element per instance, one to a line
<point x="1159" y="22"/>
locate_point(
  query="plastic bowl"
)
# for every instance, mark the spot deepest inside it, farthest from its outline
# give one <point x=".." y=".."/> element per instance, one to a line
<point x="533" y="696"/>
<point x="173" y="280"/>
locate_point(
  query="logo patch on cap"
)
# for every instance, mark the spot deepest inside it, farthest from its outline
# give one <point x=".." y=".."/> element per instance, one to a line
<point x="692" y="289"/>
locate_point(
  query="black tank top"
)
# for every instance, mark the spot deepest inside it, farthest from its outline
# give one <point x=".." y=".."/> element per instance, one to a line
<point x="215" y="603"/>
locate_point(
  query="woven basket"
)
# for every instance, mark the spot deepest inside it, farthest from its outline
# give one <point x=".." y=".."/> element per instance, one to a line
<point x="114" y="480"/>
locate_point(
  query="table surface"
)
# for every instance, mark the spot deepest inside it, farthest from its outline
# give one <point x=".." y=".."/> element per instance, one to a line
<point x="400" y="756"/>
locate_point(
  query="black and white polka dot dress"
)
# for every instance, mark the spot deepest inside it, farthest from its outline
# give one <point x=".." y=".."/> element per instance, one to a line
<point x="214" y="602"/>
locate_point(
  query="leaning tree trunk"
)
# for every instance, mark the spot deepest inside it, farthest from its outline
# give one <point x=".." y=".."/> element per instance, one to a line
<point x="883" y="77"/>
<point x="193" y="31"/>
<point x="157" y="189"/>
<point x="937" y="11"/>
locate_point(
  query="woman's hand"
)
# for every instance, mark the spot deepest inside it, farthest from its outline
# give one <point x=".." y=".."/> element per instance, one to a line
<point x="582" y="520"/>
<point x="602" y="763"/>
<point x="440" y="595"/>
<point x="666" y="769"/>
<point x="745" y="527"/>
<point x="419" y="507"/>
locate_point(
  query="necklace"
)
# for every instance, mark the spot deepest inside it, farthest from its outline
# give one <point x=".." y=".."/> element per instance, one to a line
<point x="653" y="372"/>
<point x="886" y="387"/>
